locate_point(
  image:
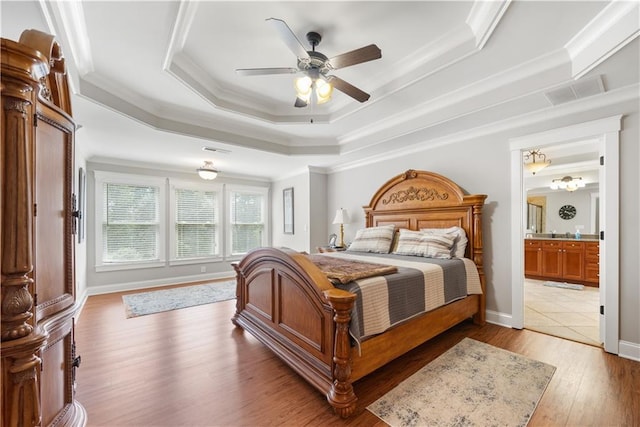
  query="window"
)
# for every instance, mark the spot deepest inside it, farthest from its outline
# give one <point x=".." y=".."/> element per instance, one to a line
<point x="130" y="216"/>
<point x="247" y="219"/>
<point x="146" y="221"/>
<point x="196" y="221"/>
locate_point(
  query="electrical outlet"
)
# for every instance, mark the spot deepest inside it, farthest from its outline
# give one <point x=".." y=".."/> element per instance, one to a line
<point x="203" y="269"/>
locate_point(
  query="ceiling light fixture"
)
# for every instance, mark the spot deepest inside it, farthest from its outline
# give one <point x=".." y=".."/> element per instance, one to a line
<point x="536" y="165"/>
<point x="207" y="171"/>
<point x="567" y="183"/>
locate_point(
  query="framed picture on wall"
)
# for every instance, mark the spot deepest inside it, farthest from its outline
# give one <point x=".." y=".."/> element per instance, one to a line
<point x="287" y="198"/>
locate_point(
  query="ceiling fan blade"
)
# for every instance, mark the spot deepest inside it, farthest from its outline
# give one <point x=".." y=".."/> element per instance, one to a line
<point x="358" y="56"/>
<point x="288" y="37"/>
<point x="300" y="103"/>
<point x="265" y="71"/>
<point x="348" y="89"/>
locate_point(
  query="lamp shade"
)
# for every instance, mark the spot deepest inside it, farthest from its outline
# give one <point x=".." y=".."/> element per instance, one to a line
<point x="207" y="171"/>
<point x="341" y="217"/>
<point x="538" y="161"/>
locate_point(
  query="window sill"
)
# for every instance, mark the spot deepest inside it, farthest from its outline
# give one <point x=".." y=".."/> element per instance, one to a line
<point x="129" y="266"/>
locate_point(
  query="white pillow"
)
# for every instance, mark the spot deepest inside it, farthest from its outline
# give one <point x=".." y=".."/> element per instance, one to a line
<point x="373" y="239"/>
<point x="460" y="243"/>
<point x="427" y="245"/>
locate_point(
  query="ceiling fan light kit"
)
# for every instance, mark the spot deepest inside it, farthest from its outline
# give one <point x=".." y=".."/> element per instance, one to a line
<point x="316" y="85"/>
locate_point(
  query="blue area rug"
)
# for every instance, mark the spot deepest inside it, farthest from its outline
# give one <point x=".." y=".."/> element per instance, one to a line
<point x="151" y="302"/>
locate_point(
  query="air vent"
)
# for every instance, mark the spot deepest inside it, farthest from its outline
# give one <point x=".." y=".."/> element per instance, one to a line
<point x="577" y="90"/>
<point x="216" y="150"/>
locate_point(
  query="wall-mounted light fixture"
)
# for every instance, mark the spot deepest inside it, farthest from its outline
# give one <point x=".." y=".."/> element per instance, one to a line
<point x="538" y="161"/>
<point x="567" y="183"/>
<point x="207" y="171"/>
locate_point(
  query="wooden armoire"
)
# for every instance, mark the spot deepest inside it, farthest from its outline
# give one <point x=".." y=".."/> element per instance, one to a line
<point x="38" y="217"/>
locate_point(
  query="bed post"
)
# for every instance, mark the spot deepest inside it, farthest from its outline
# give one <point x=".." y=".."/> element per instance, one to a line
<point x="480" y="317"/>
<point x="341" y="395"/>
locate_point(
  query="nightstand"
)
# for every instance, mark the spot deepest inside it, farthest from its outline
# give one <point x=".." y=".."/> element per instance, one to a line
<point x="323" y="249"/>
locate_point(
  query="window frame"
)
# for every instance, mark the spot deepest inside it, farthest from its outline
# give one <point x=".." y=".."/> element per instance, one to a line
<point x="102" y="178"/>
<point x="191" y="185"/>
<point x="265" y="193"/>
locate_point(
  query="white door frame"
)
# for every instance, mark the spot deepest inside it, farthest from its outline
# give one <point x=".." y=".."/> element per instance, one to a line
<point x="607" y="132"/>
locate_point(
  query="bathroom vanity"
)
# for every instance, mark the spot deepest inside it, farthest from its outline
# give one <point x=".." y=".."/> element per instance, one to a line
<point x="562" y="259"/>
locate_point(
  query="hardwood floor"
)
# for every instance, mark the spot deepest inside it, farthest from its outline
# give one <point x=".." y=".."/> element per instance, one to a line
<point x="192" y="367"/>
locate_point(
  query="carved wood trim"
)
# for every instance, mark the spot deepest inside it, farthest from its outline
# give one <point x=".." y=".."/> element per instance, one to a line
<point x="17" y="219"/>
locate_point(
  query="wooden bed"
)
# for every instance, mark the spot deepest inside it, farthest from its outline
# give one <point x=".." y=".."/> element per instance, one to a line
<point x="288" y="304"/>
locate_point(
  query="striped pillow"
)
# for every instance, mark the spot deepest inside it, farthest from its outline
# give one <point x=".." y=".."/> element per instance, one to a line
<point x="373" y="239"/>
<point x="460" y="242"/>
<point x="424" y="244"/>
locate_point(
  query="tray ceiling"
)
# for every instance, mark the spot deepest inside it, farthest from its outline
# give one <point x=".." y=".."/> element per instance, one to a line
<point x="156" y="81"/>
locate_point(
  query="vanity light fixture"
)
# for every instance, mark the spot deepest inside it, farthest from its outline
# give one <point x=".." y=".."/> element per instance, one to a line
<point x="567" y="183"/>
<point x="538" y="161"/>
<point x="207" y="171"/>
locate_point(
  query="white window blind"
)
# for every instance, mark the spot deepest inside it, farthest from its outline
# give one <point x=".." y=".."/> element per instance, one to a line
<point x="247" y="220"/>
<point x="196" y="223"/>
<point x="130" y="222"/>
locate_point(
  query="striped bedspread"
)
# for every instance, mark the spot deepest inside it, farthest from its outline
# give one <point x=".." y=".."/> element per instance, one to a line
<point x="419" y="285"/>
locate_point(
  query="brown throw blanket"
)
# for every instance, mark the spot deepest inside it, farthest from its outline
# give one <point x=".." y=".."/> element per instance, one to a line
<point x="345" y="271"/>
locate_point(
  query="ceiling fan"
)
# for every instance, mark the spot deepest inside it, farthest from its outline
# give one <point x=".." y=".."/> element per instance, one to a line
<point x="316" y="83"/>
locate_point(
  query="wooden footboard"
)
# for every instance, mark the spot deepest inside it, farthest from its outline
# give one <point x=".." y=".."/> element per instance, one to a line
<point x="288" y="304"/>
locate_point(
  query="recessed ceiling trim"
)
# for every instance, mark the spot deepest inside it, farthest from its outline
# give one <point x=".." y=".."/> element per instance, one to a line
<point x="423" y="143"/>
<point x="484" y="17"/>
<point x="612" y="29"/>
<point x="184" y="19"/>
<point x="532" y="76"/>
<point x="67" y="17"/>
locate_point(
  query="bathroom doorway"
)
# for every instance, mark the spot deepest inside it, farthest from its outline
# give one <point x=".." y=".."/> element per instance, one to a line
<point x="605" y="133"/>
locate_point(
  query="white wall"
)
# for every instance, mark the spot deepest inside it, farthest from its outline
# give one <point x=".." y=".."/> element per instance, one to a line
<point x="310" y="212"/>
<point x="299" y="240"/>
<point x="481" y="165"/>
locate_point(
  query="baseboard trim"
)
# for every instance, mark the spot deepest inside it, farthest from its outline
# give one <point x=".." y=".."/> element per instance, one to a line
<point x="145" y="284"/>
<point x="629" y="350"/>
<point x="500" y="319"/>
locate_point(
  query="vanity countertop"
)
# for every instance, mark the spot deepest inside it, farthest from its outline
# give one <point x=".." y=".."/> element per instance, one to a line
<point x="570" y="239"/>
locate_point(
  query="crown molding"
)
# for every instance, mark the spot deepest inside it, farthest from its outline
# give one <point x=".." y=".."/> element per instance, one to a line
<point x="484" y="17"/>
<point x="612" y="29"/>
<point x="494" y="90"/>
<point x="628" y="95"/>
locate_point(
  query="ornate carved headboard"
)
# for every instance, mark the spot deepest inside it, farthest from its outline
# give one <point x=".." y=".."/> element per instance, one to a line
<point x="420" y="199"/>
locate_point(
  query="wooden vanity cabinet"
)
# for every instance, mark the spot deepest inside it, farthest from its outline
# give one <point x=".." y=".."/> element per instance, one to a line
<point x="552" y="259"/>
<point x="572" y="261"/>
<point x="532" y="258"/>
<point x="592" y="262"/>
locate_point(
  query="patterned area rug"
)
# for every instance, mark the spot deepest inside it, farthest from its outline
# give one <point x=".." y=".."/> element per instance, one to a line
<point x="472" y="384"/>
<point x="171" y="299"/>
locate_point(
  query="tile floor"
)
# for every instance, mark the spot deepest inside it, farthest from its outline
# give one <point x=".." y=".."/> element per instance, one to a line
<point x="566" y="313"/>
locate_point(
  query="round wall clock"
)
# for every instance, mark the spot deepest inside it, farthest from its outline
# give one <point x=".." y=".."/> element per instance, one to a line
<point x="567" y="212"/>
